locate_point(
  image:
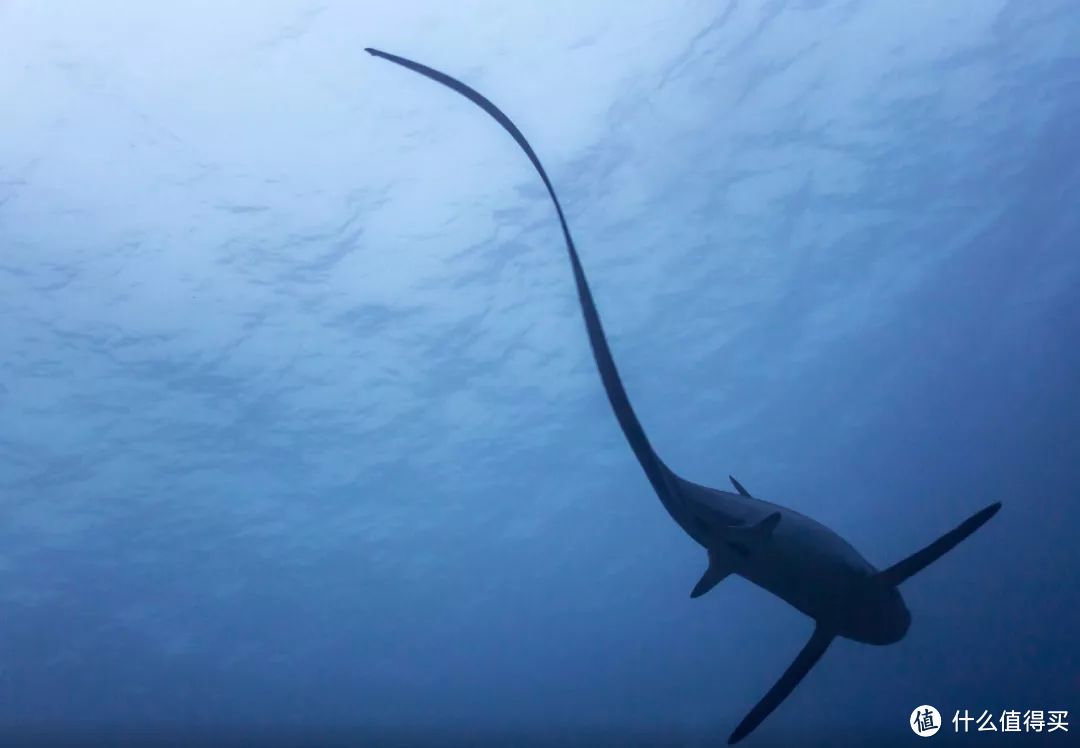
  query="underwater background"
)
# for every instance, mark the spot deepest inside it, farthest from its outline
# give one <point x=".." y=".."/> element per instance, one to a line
<point x="300" y="434"/>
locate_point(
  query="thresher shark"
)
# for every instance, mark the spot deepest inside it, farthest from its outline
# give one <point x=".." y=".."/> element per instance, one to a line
<point x="780" y="550"/>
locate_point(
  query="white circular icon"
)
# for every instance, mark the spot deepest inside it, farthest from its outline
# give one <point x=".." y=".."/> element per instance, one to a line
<point x="925" y="721"/>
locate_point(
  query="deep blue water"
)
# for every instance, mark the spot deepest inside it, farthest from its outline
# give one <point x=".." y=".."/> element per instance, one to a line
<point x="300" y="432"/>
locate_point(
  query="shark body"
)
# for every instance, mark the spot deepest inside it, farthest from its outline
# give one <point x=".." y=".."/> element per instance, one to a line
<point x="792" y="556"/>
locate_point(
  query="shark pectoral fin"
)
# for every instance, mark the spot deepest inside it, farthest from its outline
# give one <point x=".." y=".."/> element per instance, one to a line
<point x="716" y="573"/>
<point x="739" y="487"/>
<point x="798" y="669"/>
<point x="919" y="560"/>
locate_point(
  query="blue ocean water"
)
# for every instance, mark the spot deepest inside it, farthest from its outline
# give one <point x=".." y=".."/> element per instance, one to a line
<point x="299" y="429"/>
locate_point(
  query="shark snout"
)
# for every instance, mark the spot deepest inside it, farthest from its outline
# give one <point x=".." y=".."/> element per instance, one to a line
<point x="880" y="616"/>
<point x="897" y="618"/>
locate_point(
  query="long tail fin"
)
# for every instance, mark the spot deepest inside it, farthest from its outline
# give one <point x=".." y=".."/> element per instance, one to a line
<point x="654" y="467"/>
<point x="918" y="561"/>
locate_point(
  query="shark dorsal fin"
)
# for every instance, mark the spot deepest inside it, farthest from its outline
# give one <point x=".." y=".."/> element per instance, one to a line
<point x="739" y="487"/>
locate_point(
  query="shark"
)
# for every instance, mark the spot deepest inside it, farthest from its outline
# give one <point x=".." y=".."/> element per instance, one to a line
<point x="780" y="550"/>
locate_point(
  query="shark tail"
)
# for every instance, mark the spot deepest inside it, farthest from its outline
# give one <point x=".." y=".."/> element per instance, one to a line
<point x="655" y="469"/>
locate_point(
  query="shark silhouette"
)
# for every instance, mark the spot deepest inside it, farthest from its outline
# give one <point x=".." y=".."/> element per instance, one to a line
<point x="792" y="556"/>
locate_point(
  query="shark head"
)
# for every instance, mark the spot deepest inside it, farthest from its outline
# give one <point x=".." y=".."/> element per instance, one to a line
<point x="878" y="615"/>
